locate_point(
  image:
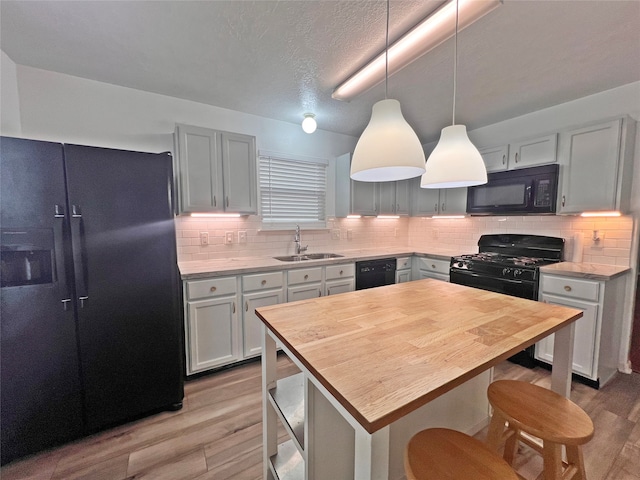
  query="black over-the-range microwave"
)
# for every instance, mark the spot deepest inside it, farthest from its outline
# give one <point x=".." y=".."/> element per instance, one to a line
<point x="526" y="191"/>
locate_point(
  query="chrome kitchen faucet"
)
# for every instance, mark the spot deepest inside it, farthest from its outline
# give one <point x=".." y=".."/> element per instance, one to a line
<point x="297" y="240"/>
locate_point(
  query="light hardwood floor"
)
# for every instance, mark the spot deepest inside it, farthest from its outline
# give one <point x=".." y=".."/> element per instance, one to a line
<point x="217" y="435"/>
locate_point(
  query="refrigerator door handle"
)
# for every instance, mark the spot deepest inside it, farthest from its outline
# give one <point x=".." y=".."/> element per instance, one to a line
<point x="65" y="304"/>
<point x="79" y="256"/>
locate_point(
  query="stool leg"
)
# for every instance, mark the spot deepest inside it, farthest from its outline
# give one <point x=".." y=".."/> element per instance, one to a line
<point x="496" y="429"/>
<point x="574" y="457"/>
<point x="552" y="459"/>
<point x="511" y="446"/>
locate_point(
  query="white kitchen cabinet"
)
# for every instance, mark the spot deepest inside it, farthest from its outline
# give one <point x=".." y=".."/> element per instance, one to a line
<point x="212" y="331"/>
<point x="393" y="198"/>
<point x="596" y="163"/>
<point x="597" y="333"/>
<point x="258" y="290"/>
<point x="403" y="269"/>
<point x="364" y="198"/>
<point x="429" y="267"/>
<point x="521" y="154"/>
<point x="304" y="283"/>
<point x="434" y="201"/>
<point x="495" y="158"/>
<point x="339" y="279"/>
<point x="216" y="171"/>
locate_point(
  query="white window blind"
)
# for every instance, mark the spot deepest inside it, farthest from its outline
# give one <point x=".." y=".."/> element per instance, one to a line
<point x="292" y="191"/>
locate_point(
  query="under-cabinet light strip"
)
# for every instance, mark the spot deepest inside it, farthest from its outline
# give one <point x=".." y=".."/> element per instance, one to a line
<point x="215" y="215"/>
<point x="601" y="214"/>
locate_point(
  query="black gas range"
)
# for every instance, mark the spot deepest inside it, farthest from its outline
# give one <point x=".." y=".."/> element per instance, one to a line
<point x="509" y="264"/>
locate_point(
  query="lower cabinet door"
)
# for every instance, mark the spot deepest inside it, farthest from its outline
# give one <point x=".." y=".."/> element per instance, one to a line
<point x="213" y="333"/>
<point x="304" y="292"/>
<point x="251" y="324"/>
<point x="340" y="286"/>
<point x="584" y="342"/>
<point x="403" y="276"/>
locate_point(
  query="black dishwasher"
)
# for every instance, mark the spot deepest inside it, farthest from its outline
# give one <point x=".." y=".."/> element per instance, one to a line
<point x="375" y="273"/>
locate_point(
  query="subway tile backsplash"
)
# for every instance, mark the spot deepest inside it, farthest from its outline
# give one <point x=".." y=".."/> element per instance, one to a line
<point x="613" y="248"/>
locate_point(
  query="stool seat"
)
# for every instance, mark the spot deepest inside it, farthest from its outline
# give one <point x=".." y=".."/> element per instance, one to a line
<point x="441" y="454"/>
<point x="541" y="412"/>
<point x="527" y="411"/>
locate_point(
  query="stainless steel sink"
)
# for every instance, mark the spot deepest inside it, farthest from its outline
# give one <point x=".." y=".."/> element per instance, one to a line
<point x="309" y="256"/>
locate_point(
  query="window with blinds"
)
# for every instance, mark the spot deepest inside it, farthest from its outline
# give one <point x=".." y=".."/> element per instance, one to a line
<point x="292" y="191"/>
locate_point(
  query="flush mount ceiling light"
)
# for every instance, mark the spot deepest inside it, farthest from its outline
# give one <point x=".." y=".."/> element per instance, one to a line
<point x="425" y="36"/>
<point x="309" y="124"/>
<point x="455" y="162"/>
<point x="388" y="149"/>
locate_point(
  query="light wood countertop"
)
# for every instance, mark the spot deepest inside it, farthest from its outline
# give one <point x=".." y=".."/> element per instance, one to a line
<point x="386" y="351"/>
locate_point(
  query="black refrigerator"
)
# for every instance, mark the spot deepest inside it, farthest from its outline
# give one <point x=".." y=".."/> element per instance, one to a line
<point x="91" y="328"/>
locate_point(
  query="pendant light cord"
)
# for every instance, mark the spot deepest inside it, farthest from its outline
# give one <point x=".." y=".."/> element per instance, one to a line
<point x="386" y="57"/>
<point x="455" y="66"/>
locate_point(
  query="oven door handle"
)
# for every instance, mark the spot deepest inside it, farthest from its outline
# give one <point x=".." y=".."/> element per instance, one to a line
<point x="477" y="275"/>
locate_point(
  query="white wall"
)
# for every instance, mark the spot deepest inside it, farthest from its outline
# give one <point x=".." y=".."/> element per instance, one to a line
<point x="9" y="98"/>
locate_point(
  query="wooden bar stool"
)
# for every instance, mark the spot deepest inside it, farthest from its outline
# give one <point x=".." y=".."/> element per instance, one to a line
<point x="530" y="410"/>
<point x="443" y="454"/>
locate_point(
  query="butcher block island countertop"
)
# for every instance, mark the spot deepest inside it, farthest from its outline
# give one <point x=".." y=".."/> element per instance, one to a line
<point x="384" y="353"/>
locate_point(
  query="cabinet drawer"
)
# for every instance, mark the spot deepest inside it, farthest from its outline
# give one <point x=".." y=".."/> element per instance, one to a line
<point x="305" y="275"/>
<point x="262" y="281"/>
<point x="571" y="287"/>
<point x="403" y="262"/>
<point x="433" y="265"/>
<point x="213" y="287"/>
<point x="334" y="272"/>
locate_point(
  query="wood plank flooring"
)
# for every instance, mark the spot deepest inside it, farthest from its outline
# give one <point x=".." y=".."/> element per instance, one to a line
<point x="218" y="434"/>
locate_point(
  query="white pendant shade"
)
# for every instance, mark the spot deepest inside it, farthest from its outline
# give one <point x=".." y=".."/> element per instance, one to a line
<point x="388" y="149"/>
<point x="455" y="162"/>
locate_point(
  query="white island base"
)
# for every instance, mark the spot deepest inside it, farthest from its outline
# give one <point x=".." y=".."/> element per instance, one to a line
<point x="326" y="442"/>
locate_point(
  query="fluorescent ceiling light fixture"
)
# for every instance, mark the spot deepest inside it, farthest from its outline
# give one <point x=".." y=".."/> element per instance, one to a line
<point x="425" y="36"/>
<point x="387" y="217"/>
<point x="388" y="149"/>
<point x="215" y="215"/>
<point x="309" y="124"/>
<point x="601" y="214"/>
<point x="455" y="162"/>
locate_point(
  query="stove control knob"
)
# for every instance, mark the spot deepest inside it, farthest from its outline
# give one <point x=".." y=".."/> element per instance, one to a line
<point x="517" y="272"/>
<point x="506" y="271"/>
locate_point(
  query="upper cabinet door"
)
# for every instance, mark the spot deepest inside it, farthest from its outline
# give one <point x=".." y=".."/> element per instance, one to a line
<point x="403" y="197"/>
<point x="535" y="151"/>
<point x="239" y="170"/>
<point x="453" y="201"/>
<point x="387" y="198"/>
<point x="591" y="168"/>
<point x="495" y="158"/>
<point x="426" y="201"/>
<point x="364" y="198"/>
<point x="200" y="169"/>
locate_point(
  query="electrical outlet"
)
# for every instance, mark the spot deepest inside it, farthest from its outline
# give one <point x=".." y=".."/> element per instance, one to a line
<point x="204" y="239"/>
<point x="242" y="236"/>
<point x="228" y="238"/>
<point x="335" y="234"/>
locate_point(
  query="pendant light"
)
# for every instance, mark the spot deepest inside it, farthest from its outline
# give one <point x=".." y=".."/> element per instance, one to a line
<point x="388" y="149"/>
<point x="455" y="162"/>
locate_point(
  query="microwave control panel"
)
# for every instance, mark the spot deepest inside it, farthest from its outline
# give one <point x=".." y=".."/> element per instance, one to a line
<point x="543" y="193"/>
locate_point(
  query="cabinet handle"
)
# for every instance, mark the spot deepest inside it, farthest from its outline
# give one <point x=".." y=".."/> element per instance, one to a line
<point x="214" y="201"/>
<point x="563" y="199"/>
<point x="567" y="288"/>
<point x="234" y="307"/>
<point x="328" y="291"/>
<point x="443" y="207"/>
<point x="264" y="282"/>
<point x="504" y="159"/>
<point x="516" y="157"/>
<point x="213" y="289"/>
<point x="246" y="306"/>
<point x="306" y="277"/>
<point x="397" y="207"/>
<point x="433" y="266"/>
<point x="319" y="292"/>
<point x="435" y="208"/>
<point x="227" y="200"/>
<point x="340" y="272"/>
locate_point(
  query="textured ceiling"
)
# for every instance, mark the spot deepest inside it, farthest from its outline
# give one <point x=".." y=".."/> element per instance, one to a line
<point x="280" y="59"/>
